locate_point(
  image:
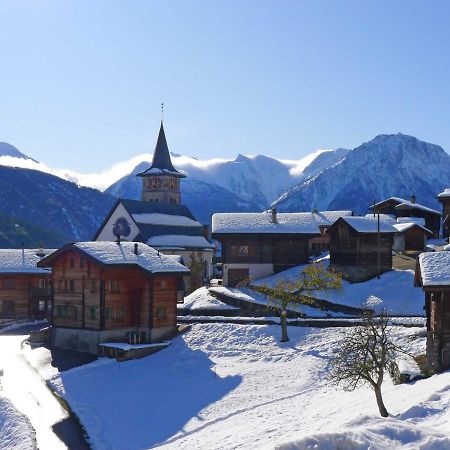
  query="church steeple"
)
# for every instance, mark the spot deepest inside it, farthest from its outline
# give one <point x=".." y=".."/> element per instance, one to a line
<point x="161" y="181"/>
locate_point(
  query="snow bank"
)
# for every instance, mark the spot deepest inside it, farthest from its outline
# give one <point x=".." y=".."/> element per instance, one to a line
<point x="202" y="299"/>
<point x="16" y="433"/>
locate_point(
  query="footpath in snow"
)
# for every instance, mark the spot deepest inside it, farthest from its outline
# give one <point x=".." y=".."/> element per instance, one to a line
<point x="226" y="386"/>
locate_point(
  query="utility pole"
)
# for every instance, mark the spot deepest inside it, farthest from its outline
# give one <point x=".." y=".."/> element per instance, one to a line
<point x="379" y="245"/>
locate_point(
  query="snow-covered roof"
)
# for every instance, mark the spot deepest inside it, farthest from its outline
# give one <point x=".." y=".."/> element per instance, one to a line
<point x="17" y="260"/>
<point x="165" y="219"/>
<point x="389" y="218"/>
<point x="179" y="241"/>
<point x="406" y="204"/>
<point x="261" y="223"/>
<point x="111" y="253"/>
<point x="324" y="218"/>
<point x="445" y="193"/>
<point x="418" y="220"/>
<point x="369" y="225"/>
<point x="435" y="268"/>
<point x="402" y="227"/>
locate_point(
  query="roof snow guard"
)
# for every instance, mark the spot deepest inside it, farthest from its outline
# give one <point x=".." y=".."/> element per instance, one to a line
<point x="161" y="163"/>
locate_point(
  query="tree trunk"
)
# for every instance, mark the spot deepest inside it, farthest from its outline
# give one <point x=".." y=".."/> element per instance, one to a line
<point x="284" y="334"/>
<point x="381" y="407"/>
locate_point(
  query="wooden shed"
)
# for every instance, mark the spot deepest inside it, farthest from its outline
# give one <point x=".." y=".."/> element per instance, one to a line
<point x="433" y="275"/>
<point x="357" y="251"/>
<point x="112" y="291"/>
<point x="25" y="289"/>
<point x="411" y="237"/>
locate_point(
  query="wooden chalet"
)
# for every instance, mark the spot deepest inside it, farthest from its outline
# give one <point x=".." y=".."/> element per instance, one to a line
<point x="399" y="207"/>
<point x="433" y="275"/>
<point x="444" y="198"/>
<point x="325" y="219"/>
<point x="25" y="289"/>
<point x="107" y="291"/>
<point x="256" y="245"/>
<point x="411" y="237"/>
<point x="355" y="246"/>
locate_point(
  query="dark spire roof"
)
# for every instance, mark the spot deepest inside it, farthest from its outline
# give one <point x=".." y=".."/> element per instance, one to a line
<point x="161" y="163"/>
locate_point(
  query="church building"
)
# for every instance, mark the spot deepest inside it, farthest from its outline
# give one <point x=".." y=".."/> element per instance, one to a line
<point x="160" y="220"/>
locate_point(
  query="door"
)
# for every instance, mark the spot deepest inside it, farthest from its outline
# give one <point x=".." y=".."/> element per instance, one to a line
<point x="236" y="276"/>
<point x="8" y="307"/>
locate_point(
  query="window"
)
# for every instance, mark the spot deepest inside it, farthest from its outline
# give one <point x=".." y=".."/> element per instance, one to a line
<point x="71" y="285"/>
<point x="163" y="284"/>
<point x="93" y="286"/>
<point x="9" y="283"/>
<point x="161" y="313"/>
<point x="60" y="285"/>
<point x="42" y="284"/>
<point x="61" y="311"/>
<point x="113" y="286"/>
<point x="173" y="201"/>
<point x="92" y="313"/>
<point x="115" y="313"/>
<point x="240" y="250"/>
<point x="81" y="263"/>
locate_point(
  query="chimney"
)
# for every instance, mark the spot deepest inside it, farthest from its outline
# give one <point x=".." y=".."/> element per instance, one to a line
<point x="41" y="252"/>
<point x="118" y="239"/>
<point x="413" y="199"/>
<point x="274" y="215"/>
<point x="205" y="232"/>
<point x="314" y="211"/>
<point x="136" y="249"/>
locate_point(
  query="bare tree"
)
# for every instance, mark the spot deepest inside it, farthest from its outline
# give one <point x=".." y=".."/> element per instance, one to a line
<point x="314" y="277"/>
<point x="363" y="356"/>
<point x="195" y="265"/>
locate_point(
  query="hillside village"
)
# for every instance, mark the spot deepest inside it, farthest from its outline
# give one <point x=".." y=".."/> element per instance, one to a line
<point x="155" y="286"/>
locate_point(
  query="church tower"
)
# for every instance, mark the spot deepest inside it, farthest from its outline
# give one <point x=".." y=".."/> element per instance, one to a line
<point x="161" y="181"/>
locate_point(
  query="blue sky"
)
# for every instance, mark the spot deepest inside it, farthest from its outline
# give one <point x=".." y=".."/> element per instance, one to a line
<point x="81" y="82"/>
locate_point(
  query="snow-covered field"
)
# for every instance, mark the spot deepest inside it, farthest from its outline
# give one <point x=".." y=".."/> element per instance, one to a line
<point x="226" y="386"/>
<point x="16" y="432"/>
<point x="394" y="289"/>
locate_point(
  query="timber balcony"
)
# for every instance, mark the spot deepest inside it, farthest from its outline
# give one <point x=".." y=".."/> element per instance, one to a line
<point x="41" y="293"/>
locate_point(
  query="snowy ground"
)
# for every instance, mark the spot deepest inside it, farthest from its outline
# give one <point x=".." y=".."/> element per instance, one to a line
<point x="395" y="289"/>
<point x="202" y="299"/>
<point x="16" y="433"/>
<point x="227" y="386"/>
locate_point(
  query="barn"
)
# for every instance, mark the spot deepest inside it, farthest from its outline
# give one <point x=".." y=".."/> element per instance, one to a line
<point x="357" y="250"/>
<point x="433" y="275"/>
<point x="105" y="290"/>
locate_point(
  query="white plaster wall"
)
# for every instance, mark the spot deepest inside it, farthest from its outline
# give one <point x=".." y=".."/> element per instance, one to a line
<point x="255" y="271"/>
<point x="107" y="232"/>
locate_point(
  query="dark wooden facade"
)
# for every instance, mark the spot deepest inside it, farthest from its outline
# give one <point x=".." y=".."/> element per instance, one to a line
<point x="281" y="250"/>
<point x="432" y="219"/>
<point x="93" y="296"/>
<point x="355" y="254"/>
<point x="24" y="295"/>
<point x="415" y="239"/>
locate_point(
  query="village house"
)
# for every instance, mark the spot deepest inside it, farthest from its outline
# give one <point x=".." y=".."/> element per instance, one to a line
<point x="357" y="250"/>
<point x="399" y="207"/>
<point x="103" y="291"/>
<point x="411" y="236"/>
<point x="433" y="275"/>
<point x="256" y="245"/>
<point x="444" y="198"/>
<point x="325" y="219"/>
<point x="159" y="219"/>
<point x="25" y="289"/>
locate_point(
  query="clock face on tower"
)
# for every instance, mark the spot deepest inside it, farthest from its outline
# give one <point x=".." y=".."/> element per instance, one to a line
<point x="155" y="183"/>
<point x="121" y="227"/>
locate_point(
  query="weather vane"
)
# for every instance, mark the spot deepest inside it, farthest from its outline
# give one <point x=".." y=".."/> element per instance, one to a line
<point x="162" y="111"/>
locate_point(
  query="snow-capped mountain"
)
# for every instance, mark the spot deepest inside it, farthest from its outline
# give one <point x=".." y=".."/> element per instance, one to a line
<point x="247" y="183"/>
<point x="11" y="151"/>
<point x="389" y="165"/>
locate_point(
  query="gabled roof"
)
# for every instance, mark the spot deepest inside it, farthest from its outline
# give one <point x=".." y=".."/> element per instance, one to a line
<point x="161" y="163"/>
<point x="405" y="226"/>
<point x="327" y="218"/>
<point x="113" y="254"/>
<point x="435" y="268"/>
<point x="367" y="225"/>
<point x="18" y="260"/>
<point x="261" y="223"/>
<point x="406" y="204"/>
